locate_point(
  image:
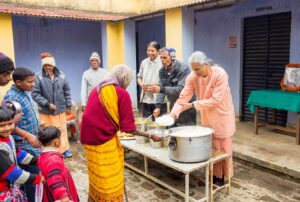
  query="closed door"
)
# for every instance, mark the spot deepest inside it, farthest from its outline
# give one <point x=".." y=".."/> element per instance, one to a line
<point x="266" y="51"/>
<point x="152" y="29"/>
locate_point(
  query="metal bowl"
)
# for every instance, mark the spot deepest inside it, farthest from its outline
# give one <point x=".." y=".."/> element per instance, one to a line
<point x="14" y="106"/>
<point x="156" y="145"/>
<point x="141" y="139"/>
<point x="141" y="123"/>
<point x="163" y="134"/>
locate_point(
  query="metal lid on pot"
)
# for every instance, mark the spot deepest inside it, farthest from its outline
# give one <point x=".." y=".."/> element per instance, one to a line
<point x="191" y="131"/>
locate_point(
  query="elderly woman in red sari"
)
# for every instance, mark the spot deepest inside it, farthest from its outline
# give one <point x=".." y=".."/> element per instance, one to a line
<point x="108" y="111"/>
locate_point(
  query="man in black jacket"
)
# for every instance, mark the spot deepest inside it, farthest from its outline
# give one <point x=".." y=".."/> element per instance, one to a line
<point x="171" y="81"/>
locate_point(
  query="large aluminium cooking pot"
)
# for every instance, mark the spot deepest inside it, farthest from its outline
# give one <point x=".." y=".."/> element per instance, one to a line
<point x="190" y="144"/>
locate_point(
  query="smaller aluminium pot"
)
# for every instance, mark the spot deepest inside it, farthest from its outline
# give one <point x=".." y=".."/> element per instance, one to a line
<point x="141" y="139"/>
<point x="141" y="124"/>
<point x="190" y="144"/>
<point x="157" y="144"/>
<point x="163" y="134"/>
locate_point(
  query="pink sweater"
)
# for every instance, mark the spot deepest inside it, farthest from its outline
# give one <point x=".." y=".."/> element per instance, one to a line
<point x="214" y="101"/>
<point x="59" y="182"/>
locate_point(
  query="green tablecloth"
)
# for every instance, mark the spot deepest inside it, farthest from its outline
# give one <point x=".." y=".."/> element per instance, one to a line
<point x="277" y="99"/>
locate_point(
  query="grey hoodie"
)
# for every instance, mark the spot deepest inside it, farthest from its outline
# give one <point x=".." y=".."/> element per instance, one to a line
<point x="56" y="92"/>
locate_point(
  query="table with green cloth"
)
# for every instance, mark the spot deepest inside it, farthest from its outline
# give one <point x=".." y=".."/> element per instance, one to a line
<point x="275" y="99"/>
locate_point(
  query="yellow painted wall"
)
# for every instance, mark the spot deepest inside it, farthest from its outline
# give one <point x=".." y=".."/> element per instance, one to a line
<point x="173" y="20"/>
<point x="6" y="41"/>
<point x="115" y="43"/>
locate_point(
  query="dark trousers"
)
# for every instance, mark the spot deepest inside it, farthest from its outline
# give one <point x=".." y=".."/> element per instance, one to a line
<point x="147" y="109"/>
<point x="29" y="189"/>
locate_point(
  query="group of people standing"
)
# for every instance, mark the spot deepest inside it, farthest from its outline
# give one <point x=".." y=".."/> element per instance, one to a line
<point x="204" y="89"/>
<point x="166" y="85"/>
<point x="163" y="79"/>
<point x="35" y="152"/>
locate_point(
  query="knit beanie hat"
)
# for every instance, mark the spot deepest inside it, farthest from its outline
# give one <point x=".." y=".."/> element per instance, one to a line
<point x="47" y="59"/>
<point x="6" y="64"/>
<point x="96" y="56"/>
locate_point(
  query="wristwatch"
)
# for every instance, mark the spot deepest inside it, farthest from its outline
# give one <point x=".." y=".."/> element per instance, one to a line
<point x="193" y="104"/>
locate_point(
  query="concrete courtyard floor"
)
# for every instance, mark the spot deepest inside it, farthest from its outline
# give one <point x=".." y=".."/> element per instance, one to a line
<point x="268" y="149"/>
<point x="250" y="183"/>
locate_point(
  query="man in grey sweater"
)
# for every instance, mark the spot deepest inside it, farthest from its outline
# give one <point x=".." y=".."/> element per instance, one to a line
<point x="91" y="78"/>
<point x="171" y="82"/>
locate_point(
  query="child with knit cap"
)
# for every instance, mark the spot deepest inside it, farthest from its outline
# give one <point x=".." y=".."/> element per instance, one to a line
<point x="52" y="94"/>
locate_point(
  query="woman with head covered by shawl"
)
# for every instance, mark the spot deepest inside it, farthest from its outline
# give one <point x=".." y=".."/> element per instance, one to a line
<point x="108" y="111"/>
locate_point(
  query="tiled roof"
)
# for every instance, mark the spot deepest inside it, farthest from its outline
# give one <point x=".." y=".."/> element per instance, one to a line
<point x="93" y="16"/>
<point x="189" y="3"/>
<point x="56" y="13"/>
<point x="172" y="6"/>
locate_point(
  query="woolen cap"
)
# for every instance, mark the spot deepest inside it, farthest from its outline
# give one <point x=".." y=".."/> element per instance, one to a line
<point x="96" y="56"/>
<point x="47" y="59"/>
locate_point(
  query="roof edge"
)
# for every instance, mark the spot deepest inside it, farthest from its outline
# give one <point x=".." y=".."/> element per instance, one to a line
<point x="60" y="13"/>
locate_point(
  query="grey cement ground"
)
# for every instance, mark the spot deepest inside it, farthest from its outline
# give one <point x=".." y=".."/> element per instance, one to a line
<point x="270" y="149"/>
<point x="249" y="183"/>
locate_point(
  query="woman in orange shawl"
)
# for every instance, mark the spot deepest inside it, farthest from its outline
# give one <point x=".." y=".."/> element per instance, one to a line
<point x="108" y="111"/>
